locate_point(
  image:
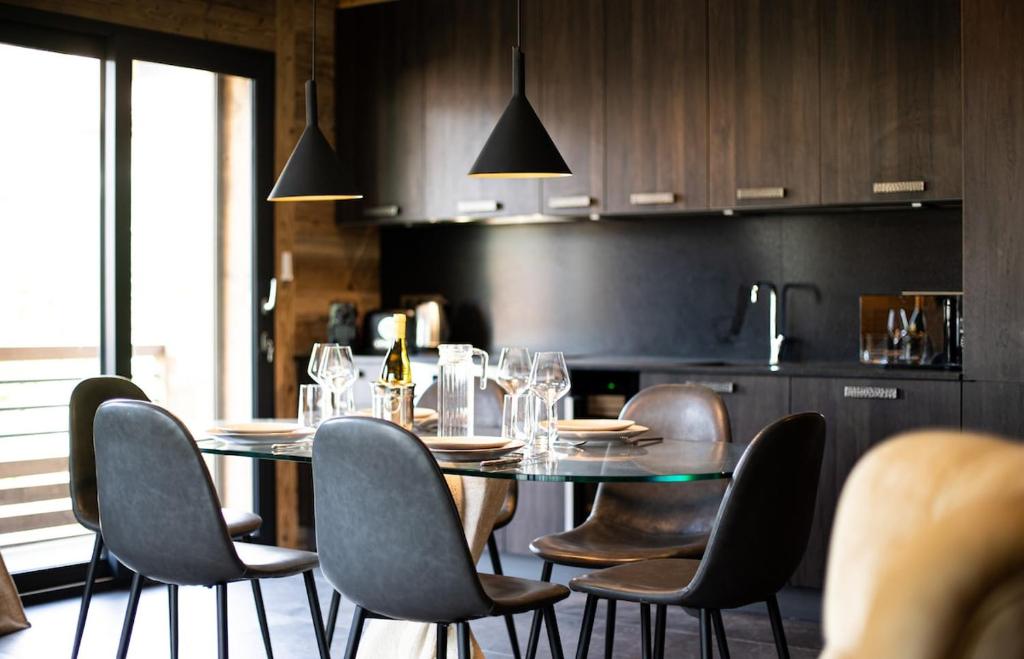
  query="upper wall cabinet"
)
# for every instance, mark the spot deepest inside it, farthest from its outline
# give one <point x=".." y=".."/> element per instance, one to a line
<point x="468" y="70"/>
<point x="890" y="114"/>
<point x="380" y="109"/>
<point x="764" y="102"/>
<point x="656" y="96"/>
<point x="564" y="48"/>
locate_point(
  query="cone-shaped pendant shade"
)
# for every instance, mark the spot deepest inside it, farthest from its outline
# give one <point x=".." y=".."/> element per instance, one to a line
<point x="519" y="146"/>
<point x="313" y="171"/>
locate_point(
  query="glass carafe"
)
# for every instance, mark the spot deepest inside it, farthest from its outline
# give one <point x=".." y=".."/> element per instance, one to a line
<point x="455" y="370"/>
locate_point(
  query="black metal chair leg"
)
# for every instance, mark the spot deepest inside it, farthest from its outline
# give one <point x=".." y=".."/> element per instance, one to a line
<point x="314" y="612"/>
<point x="781" y="647"/>
<point x="355" y="633"/>
<point x="261" y="614"/>
<point x="442" y="641"/>
<point x="659" y="631"/>
<point x="492" y="551"/>
<point x="513" y="639"/>
<point x="609" y="634"/>
<point x="172" y="610"/>
<point x="531" y="645"/>
<point x="129" y="616"/>
<point x="332" y="616"/>
<point x="586" y="627"/>
<point x="554" y="639"/>
<point x="222" y="621"/>
<point x="83" y="609"/>
<point x="723" y="645"/>
<point x="645" y="631"/>
<point x="705" y="634"/>
<point x="464" y="648"/>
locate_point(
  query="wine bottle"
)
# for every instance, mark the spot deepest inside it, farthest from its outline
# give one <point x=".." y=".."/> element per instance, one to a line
<point x="396" y="369"/>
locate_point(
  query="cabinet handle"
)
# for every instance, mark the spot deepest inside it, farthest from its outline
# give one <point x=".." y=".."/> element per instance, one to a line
<point x="652" y="198"/>
<point x="718" y="387"/>
<point x="871" y="393"/>
<point x="387" y="210"/>
<point x="760" y="193"/>
<point x="478" y="206"/>
<point x="891" y="187"/>
<point x="574" y="201"/>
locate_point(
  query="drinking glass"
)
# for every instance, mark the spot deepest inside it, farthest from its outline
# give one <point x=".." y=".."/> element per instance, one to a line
<point x="514" y="369"/>
<point x="337" y="371"/>
<point x="518" y="418"/>
<point x="549" y="381"/>
<point x="312" y="405"/>
<point x="316" y="358"/>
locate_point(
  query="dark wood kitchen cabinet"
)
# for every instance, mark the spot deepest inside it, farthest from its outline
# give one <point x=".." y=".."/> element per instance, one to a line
<point x="764" y="102"/>
<point x="890" y="101"/>
<point x="468" y="82"/>
<point x="564" y="49"/>
<point x="380" y="109"/>
<point x="859" y="414"/>
<point x="994" y="407"/>
<point x="656" y="90"/>
<point x="753" y="401"/>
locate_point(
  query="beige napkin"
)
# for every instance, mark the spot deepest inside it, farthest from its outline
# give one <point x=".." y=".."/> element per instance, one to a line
<point x="12" y="614"/>
<point x="479" y="502"/>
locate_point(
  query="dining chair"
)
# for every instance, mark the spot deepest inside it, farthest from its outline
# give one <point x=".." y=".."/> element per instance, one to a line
<point x="634" y="522"/>
<point x="758" y="538"/>
<point x="391" y="540"/>
<point x="159" y="514"/>
<point x="86" y="398"/>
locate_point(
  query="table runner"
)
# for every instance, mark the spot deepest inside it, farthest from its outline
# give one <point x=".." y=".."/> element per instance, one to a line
<point x="12" y="614"/>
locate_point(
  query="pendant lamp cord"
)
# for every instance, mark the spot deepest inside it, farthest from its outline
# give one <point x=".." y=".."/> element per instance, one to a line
<point x="519" y="24"/>
<point x="312" y="48"/>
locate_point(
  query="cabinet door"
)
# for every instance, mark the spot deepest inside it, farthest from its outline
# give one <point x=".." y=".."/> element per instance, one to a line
<point x="764" y="102"/>
<point x="380" y="107"/>
<point x="860" y="414"/>
<point x="566" y="85"/>
<point x="995" y="407"/>
<point x="753" y="401"/>
<point x="890" y="113"/>
<point x="468" y="73"/>
<point x="656" y="62"/>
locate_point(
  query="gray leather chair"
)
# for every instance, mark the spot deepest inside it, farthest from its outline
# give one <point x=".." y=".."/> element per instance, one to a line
<point x="633" y="522"/>
<point x="390" y="538"/>
<point x="758" y="539"/>
<point x="86" y="398"/>
<point x="160" y="515"/>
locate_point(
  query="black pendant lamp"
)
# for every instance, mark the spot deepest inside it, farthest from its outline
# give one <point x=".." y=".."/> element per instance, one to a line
<point x="519" y="147"/>
<point x="313" y="171"/>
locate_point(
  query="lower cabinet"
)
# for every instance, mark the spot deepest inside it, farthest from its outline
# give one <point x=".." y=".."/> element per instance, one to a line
<point x="995" y="407"/>
<point x="859" y="414"/>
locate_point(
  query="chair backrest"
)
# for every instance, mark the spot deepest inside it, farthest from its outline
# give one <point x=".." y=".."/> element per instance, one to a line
<point x="765" y="520"/>
<point x="926" y="558"/>
<point x="487" y="403"/>
<point x="388" y="533"/>
<point x="675" y="411"/>
<point x="159" y="513"/>
<point x="86" y="398"/>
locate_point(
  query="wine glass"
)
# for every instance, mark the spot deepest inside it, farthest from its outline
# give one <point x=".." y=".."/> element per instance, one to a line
<point x="337" y="370"/>
<point x="549" y="381"/>
<point x="514" y="369"/>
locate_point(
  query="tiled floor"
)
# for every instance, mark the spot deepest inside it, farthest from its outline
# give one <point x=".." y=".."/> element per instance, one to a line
<point x="53" y="626"/>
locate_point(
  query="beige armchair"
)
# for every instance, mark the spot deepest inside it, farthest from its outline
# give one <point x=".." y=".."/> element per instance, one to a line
<point x="927" y="551"/>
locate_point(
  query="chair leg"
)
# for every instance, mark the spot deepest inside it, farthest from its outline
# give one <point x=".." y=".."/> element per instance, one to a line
<point x="531" y="645"/>
<point x="314" y="612"/>
<point x="464" y="647"/>
<point x="222" y="621"/>
<point x="172" y="609"/>
<point x="492" y="551"/>
<point x="355" y="633"/>
<point x="659" y="631"/>
<point x="723" y="645"/>
<point x="705" y="634"/>
<point x="781" y="647"/>
<point x="129" y="616"/>
<point x="513" y="639"/>
<point x="609" y="634"/>
<point x="332" y="616"/>
<point x="554" y="639"/>
<point x="261" y="614"/>
<point x="442" y="641"/>
<point x="83" y="609"/>
<point x="586" y="627"/>
<point x="645" y="631"/>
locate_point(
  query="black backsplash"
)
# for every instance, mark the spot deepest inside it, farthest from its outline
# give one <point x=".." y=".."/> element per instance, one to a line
<point x="672" y="287"/>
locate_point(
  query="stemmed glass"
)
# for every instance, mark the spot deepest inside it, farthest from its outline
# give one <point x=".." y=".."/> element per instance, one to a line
<point x="337" y="370"/>
<point x="549" y="381"/>
<point x="514" y="369"/>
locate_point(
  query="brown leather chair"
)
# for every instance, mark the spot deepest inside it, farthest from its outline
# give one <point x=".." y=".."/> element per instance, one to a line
<point x="86" y="398"/>
<point x="634" y="522"/>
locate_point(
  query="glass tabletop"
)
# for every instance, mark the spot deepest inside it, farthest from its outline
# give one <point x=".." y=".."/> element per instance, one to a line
<point x="663" y="460"/>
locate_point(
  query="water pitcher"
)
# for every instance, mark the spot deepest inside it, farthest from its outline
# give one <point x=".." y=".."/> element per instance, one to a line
<point x="455" y="388"/>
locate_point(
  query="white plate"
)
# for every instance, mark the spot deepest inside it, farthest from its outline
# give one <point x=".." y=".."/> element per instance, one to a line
<point x="632" y="431"/>
<point x="463" y="443"/>
<point x="271" y="438"/>
<point x="593" y="425"/>
<point x="256" y="428"/>
<point x="477" y="455"/>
